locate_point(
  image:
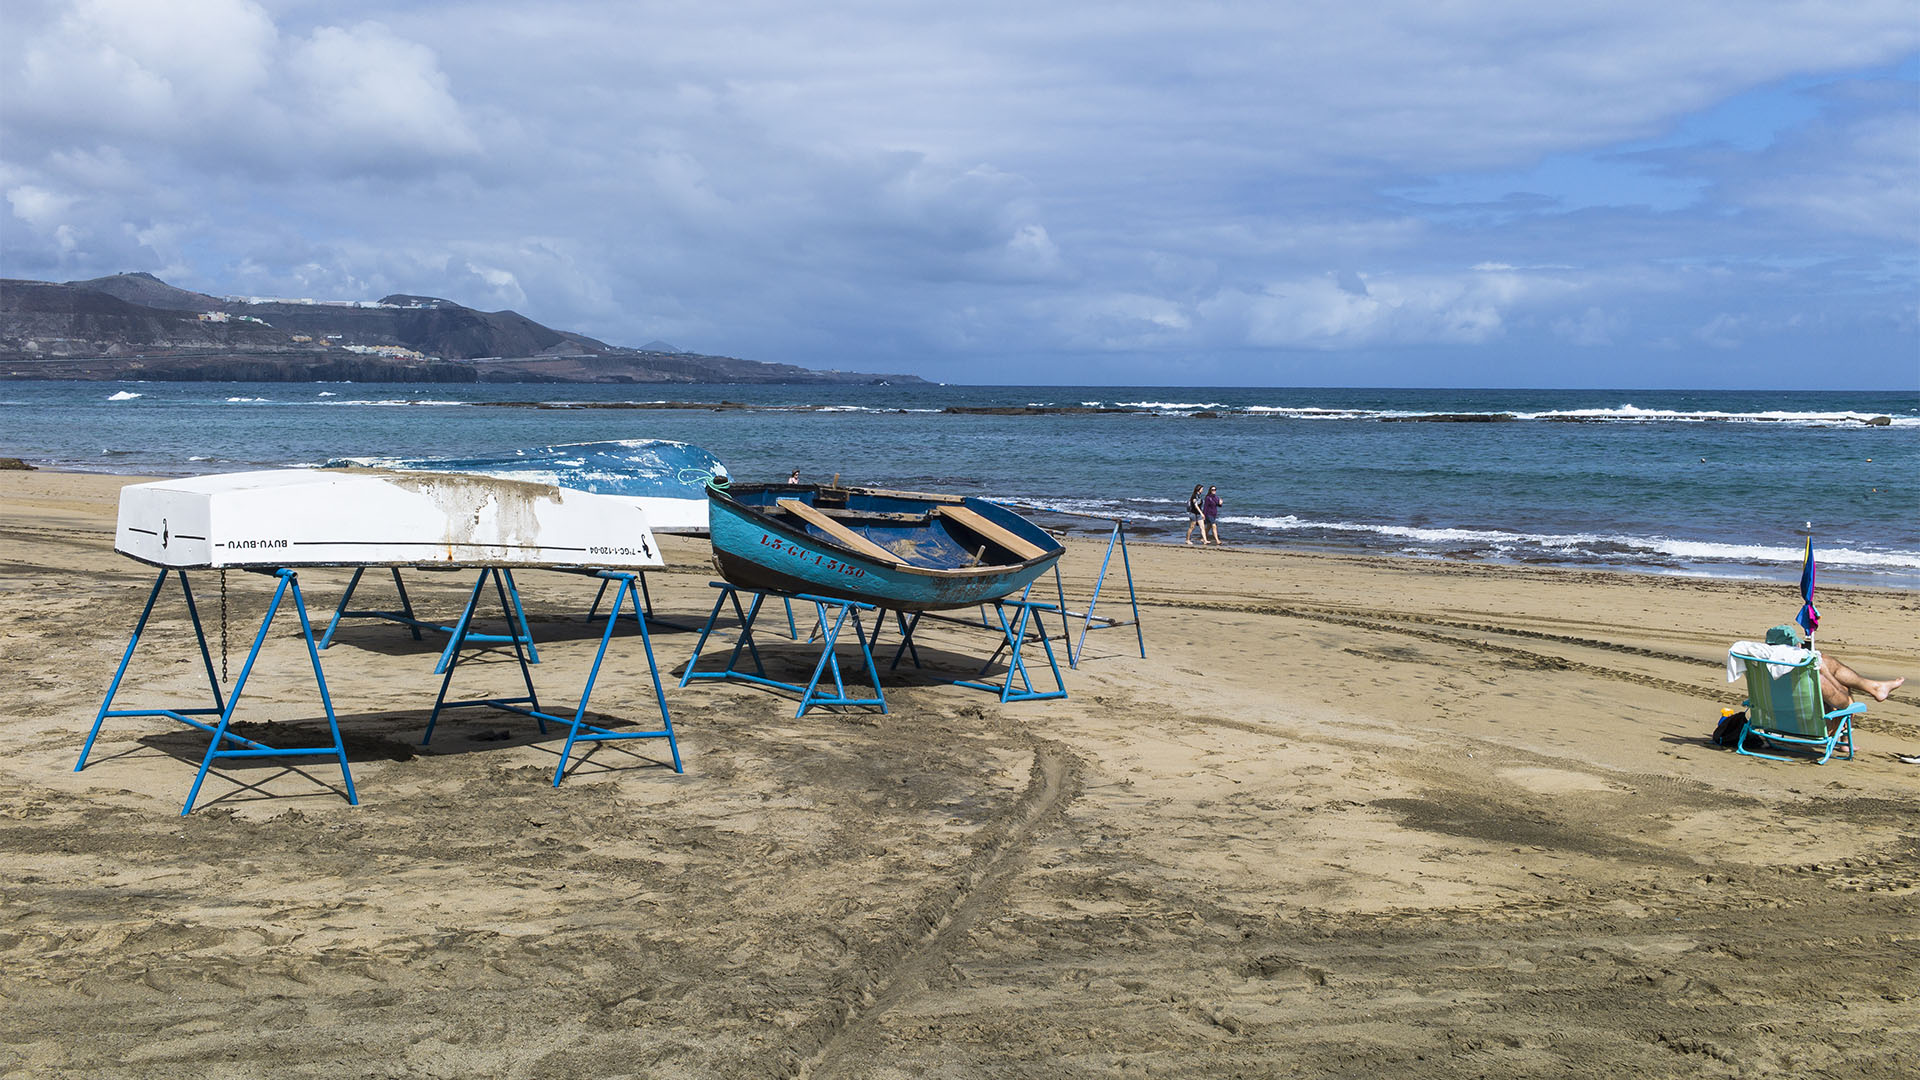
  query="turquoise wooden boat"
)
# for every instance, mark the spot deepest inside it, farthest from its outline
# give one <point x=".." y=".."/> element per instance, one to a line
<point x="899" y="550"/>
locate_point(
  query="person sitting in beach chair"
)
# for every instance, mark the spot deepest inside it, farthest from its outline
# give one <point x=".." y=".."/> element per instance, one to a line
<point x="1797" y="696"/>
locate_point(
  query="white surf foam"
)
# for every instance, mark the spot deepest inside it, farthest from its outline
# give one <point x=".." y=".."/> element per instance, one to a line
<point x="1626" y="413"/>
<point x="1610" y="544"/>
<point x="1630" y="412"/>
<point x="1100" y="508"/>
<point x="394" y="402"/>
<point x="1182" y="405"/>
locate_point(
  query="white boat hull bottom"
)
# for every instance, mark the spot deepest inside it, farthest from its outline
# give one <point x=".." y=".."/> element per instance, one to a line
<point x="305" y="517"/>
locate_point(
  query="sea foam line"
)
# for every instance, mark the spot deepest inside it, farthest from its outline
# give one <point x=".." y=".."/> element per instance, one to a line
<point x="1623" y="414"/>
<point x="1568" y="543"/>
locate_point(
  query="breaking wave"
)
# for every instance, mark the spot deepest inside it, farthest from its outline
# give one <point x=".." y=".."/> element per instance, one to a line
<point x="1585" y="547"/>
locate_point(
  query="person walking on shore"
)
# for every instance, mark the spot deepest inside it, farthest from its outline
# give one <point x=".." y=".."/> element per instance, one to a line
<point x="1193" y="515"/>
<point x="1210" y="515"/>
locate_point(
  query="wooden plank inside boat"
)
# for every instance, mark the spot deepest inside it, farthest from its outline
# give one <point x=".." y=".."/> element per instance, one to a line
<point x="877" y="516"/>
<point x="839" y="533"/>
<point x="987" y="530"/>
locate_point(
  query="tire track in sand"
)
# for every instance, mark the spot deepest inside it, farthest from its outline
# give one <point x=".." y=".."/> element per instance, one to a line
<point x="1053" y="774"/>
<point x="1415" y="626"/>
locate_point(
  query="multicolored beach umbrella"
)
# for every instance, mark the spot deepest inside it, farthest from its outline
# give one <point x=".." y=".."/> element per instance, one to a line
<point x="1809" y="616"/>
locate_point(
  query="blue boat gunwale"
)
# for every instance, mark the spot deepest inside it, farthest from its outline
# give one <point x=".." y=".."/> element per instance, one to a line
<point x="773" y="520"/>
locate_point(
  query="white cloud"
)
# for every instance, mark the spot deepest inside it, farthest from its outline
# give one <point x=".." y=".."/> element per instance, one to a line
<point x="499" y="287"/>
<point x="215" y="81"/>
<point x="853" y="183"/>
<point x="38" y="207"/>
<point x="1592" y="327"/>
<point x="1859" y="174"/>
<point x="130" y="66"/>
<point x="1723" y="331"/>
<point x="367" y="93"/>
<point x="1032" y="253"/>
<point x="1327" y="312"/>
<point x="1119" y="321"/>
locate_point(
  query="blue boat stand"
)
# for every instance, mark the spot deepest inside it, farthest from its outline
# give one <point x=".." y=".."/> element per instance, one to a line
<point x="812" y="694"/>
<point x="406" y="617"/>
<point x="1089" y="621"/>
<point x="578" y="730"/>
<point x="644" y="595"/>
<point x="217" y="747"/>
<point x="1013" y="635"/>
<point x="1014" y="632"/>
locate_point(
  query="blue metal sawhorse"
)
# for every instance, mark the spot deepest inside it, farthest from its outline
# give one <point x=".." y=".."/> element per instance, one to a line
<point x="848" y="610"/>
<point x="1013" y="635"/>
<point x="224" y="709"/>
<point x="645" y="596"/>
<point x="405" y="616"/>
<point x="1077" y="651"/>
<point x="579" y="731"/>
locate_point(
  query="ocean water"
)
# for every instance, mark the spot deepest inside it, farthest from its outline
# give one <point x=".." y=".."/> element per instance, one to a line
<point x="1720" y="482"/>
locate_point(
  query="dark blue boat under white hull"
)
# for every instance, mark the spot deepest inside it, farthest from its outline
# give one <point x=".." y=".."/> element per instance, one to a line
<point x="903" y="551"/>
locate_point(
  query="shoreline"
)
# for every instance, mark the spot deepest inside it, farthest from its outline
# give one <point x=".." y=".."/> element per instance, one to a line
<point x="1830" y="578"/>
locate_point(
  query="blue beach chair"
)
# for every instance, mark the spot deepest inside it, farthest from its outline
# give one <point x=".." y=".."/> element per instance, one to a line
<point x="1789" y="710"/>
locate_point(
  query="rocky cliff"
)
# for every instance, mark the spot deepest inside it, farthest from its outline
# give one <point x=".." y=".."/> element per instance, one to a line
<point x="137" y="326"/>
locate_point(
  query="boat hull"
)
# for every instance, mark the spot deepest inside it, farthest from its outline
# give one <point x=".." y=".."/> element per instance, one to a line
<point x="665" y="479"/>
<point x="308" y="517"/>
<point x="754" y="549"/>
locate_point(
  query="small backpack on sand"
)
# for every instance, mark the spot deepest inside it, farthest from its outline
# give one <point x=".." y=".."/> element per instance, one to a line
<point x="1729" y="729"/>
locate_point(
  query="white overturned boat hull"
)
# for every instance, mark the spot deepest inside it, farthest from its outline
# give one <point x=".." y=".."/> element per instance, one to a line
<point x="665" y="479"/>
<point x="301" y="517"/>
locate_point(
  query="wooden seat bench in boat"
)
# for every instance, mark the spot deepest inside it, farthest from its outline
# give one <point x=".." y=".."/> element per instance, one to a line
<point x="837" y="532"/>
<point x="991" y="532"/>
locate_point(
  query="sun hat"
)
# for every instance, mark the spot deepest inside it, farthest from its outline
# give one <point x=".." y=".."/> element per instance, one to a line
<point x="1786" y="634"/>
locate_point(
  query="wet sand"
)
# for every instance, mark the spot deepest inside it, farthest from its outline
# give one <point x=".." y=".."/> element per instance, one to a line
<point x="1352" y="817"/>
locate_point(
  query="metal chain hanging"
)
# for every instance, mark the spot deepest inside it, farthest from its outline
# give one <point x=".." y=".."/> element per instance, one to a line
<point x="223" y="627"/>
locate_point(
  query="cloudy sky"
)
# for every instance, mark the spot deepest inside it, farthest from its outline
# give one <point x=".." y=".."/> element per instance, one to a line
<point x="1629" y="194"/>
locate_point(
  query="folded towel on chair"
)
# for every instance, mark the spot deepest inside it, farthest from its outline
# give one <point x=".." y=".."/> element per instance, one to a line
<point x="1780" y="658"/>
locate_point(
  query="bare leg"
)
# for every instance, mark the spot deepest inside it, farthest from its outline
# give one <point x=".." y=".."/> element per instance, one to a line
<point x="1203" y="533"/>
<point x="1838" y="681"/>
<point x="1832" y="694"/>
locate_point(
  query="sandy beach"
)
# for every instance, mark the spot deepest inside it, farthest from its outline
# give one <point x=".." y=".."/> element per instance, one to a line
<point x="1350" y="817"/>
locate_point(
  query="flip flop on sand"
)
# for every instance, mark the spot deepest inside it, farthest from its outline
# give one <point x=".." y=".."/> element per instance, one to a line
<point x="1911" y="759"/>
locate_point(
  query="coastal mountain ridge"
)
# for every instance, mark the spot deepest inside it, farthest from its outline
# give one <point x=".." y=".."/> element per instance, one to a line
<point x="136" y="326"/>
